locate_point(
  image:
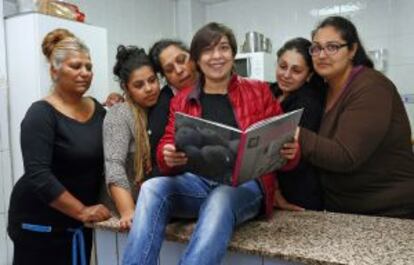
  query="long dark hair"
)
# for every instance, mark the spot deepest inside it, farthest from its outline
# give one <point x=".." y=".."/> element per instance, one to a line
<point x="128" y="59"/>
<point x="349" y="34"/>
<point x="301" y="45"/>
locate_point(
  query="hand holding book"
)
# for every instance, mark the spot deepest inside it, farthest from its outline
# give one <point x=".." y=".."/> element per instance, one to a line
<point x="289" y="150"/>
<point x="172" y="157"/>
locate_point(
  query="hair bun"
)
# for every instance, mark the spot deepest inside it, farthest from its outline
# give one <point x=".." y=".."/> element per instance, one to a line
<point x="53" y="38"/>
<point x="124" y="54"/>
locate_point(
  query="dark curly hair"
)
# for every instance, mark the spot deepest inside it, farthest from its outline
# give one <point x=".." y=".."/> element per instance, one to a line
<point x="128" y="59"/>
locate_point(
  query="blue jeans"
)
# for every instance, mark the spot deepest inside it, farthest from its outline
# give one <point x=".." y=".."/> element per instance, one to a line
<point x="219" y="209"/>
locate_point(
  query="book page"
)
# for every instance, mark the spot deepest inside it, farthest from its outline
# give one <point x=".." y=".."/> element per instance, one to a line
<point x="261" y="153"/>
<point x="271" y="119"/>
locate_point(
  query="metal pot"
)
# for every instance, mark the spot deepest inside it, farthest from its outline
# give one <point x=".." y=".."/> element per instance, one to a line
<point x="254" y="42"/>
<point x="267" y="45"/>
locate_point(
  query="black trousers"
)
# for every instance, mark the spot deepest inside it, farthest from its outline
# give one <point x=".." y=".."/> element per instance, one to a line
<point x="36" y="248"/>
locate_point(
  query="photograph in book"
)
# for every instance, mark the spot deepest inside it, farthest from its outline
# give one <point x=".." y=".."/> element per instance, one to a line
<point x="231" y="156"/>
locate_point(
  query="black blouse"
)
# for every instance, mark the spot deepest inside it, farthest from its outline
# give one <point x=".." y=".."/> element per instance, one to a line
<point x="157" y="121"/>
<point x="59" y="153"/>
<point x="217" y="108"/>
<point x="301" y="185"/>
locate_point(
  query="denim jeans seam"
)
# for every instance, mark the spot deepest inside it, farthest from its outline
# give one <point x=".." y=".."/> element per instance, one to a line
<point x="197" y="195"/>
<point x="147" y="251"/>
<point x="258" y="198"/>
<point x="164" y="201"/>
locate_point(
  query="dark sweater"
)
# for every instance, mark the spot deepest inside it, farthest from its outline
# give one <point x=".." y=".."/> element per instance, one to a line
<point x="301" y="185"/>
<point x="157" y="121"/>
<point x="217" y="108"/>
<point x="59" y="154"/>
<point x="364" y="151"/>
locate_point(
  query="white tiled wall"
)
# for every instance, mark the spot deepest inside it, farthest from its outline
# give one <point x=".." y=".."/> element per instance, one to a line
<point x="383" y="24"/>
<point x="130" y="22"/>
<point x="5" y="179"/>
<point x="5" y="164"/>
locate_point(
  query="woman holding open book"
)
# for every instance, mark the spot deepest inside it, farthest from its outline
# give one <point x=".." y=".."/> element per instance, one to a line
<point x="222" y="97"/>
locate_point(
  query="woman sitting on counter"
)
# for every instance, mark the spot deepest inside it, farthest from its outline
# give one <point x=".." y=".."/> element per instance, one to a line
<point x="126" y="141"/>
<point x="226" y="98"/>
<point x="363" y="148"/>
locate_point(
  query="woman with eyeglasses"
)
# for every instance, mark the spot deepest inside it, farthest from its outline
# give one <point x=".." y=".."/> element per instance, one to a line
<point x="363" y="149"/>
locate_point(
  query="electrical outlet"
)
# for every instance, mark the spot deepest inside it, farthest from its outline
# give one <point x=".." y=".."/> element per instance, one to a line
<point x="408" y="98"/>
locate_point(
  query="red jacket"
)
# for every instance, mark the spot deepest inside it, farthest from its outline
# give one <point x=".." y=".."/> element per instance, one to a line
<point x="251" y="100"/>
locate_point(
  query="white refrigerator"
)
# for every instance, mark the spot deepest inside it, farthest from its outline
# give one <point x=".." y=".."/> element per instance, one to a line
<point x="28" y="70"/>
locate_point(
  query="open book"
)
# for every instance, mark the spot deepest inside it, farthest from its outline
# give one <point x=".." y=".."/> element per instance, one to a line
<point x="231" y="156"/>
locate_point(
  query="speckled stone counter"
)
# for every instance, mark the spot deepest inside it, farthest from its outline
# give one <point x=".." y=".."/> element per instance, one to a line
<point x="315" y="238"/>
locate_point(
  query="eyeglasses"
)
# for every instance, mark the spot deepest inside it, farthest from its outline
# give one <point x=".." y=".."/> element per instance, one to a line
<point x="330" y="48"/>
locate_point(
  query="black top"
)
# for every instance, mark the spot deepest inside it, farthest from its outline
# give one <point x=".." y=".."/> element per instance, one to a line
<point x="307" y="97"/>
<point x="157" y="121"/>
<point x="301" y="185"/>
<point x="59" y="153"/>
<point x="217" y="108"/>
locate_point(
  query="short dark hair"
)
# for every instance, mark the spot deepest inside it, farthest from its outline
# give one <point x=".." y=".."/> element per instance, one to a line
<point x="210" y="35"/>
<point x="158" y="47"/>
<point x="349" y="34"/>
<point x="128" y="59"/>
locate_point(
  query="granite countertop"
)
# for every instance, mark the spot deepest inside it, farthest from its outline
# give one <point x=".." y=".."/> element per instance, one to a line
<point x="314" y="238"/>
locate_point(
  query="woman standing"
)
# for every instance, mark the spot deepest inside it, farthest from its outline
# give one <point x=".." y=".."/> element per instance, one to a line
<point x="299" y="87"/>
<point x="363" y="147"/>
<point x="222" y="97"/>
<point x="126" y="141"/>
<point x="61" y="138"/>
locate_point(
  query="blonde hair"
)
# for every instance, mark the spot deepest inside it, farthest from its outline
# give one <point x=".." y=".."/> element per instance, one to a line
<point x="58" y="43"/>
<point x="142" y="158"/>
